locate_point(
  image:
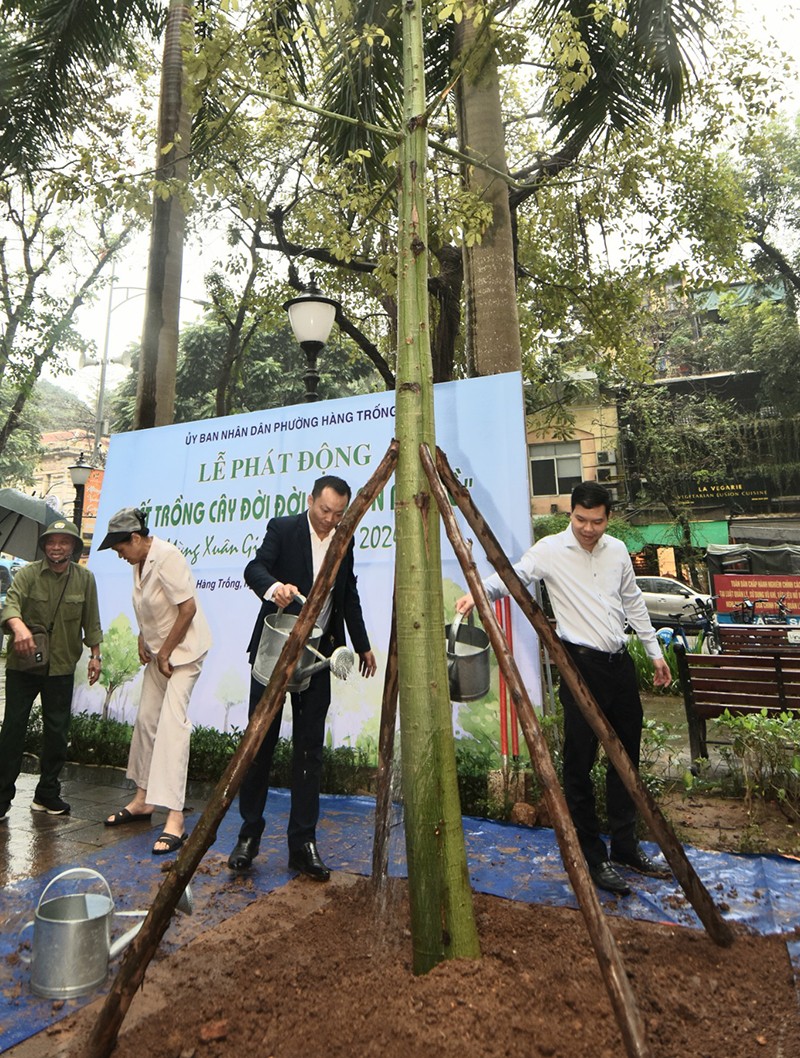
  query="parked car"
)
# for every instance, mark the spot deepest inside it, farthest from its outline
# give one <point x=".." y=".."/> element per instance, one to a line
<point x="665" y="597"/>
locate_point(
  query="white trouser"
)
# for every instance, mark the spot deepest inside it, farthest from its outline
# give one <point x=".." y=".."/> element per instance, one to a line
<point x="159" y="754"/>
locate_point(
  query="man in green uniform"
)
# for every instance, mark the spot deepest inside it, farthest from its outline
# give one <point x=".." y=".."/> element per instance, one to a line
<point x="61" y="596"/>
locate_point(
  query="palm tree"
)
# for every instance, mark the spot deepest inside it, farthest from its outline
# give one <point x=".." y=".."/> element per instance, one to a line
<point x="48" y="54"/>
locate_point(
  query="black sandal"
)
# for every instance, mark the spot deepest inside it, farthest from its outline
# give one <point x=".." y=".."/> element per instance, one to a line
<point x="172" y="841"/>
<point x="126" y="816"/>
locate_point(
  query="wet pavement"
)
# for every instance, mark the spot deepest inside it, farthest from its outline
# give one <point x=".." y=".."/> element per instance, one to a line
<point x="34" y="843"/>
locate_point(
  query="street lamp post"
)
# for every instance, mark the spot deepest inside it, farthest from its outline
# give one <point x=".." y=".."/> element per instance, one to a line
<point x="311" y="316"/>
<point x="79" y="472"/>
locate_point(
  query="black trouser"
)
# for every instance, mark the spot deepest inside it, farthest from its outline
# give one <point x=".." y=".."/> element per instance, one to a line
<point x="56" y="695"/>
<point x="612" y="681"/>
<point x="309" y="710"/>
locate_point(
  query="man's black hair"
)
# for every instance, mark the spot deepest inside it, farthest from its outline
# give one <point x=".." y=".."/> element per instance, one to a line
<point x="330" y="481"/>
<point x="590" y="494"/>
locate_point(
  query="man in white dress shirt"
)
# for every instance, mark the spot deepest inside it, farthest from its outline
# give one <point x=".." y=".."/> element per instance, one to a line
<point x="593" y="591"/>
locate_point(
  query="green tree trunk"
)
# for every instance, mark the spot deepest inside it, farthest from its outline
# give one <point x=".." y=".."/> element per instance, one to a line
<point x="155" y="396"/>
<point x="442" y="918"/>
<point x="492" y="323"/>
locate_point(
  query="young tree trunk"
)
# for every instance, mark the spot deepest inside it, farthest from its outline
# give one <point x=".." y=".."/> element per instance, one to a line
<point x="155" y="396"/>
<point x="442" y="918"/>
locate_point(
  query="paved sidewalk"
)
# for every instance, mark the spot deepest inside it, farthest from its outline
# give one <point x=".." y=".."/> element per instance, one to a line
<point x="33" y="843"/>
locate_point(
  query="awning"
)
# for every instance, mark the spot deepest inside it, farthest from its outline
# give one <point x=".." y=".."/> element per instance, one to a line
<point x="668" y="534"/>
<point x="771" y="532"/>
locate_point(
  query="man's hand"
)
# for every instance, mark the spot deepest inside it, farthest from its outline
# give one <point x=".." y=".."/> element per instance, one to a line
<point x="285" y="594"/>
<point x="662" y="676"/>
<point x="464" y="605"/>
<point x="164" y="666"/>
<point x="24" y="642"/>
<point x="367" y="665"/>
<point x="95" y="665"/>
<point x="145" y="657"/>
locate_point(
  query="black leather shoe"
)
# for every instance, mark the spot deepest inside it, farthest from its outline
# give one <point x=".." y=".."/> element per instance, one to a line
<point x="308" y="861"/>
<point x="605" y="877"/>
<point x="244" y="852"/>
<point x="638" y="860"/>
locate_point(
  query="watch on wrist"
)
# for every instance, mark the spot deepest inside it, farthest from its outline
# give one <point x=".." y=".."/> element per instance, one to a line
<point x="96" y="657"/>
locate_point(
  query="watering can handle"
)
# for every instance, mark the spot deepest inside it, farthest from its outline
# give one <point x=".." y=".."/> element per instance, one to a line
<point x="300" y="598"/>
<point x="454" y="627"/>
<point x="23" y="957"/>
<point x="76" y="872"/>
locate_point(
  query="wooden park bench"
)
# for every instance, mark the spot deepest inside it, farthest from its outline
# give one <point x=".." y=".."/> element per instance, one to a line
<point x="741" y="683"/>
<point x="736" y="638"/>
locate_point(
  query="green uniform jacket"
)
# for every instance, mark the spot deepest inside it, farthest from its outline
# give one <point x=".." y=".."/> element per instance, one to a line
<point x="34" y="595"/>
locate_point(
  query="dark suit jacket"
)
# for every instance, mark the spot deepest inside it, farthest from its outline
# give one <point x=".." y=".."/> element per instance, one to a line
<point x="285" y="556"/>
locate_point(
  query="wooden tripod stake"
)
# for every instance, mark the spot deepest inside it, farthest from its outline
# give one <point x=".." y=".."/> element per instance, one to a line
<point x="611" y="965"/>
<point x="137" y="958"/>
<point x="697" y="894"/>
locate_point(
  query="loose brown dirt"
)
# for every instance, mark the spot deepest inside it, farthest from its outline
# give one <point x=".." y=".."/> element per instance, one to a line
<point x="727" y="824"/>
<point x="316" y="970"/>
<point x="324" y="971"/>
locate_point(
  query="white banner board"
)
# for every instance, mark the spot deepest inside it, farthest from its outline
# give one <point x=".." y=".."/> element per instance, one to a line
<point x="210" y="487"/>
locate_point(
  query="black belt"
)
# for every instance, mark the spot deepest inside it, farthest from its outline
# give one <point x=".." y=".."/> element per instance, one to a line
<point x="597" y="655"/>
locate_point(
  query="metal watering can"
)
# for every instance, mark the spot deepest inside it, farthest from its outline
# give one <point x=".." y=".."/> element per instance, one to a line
<point x="277" y="627"/>
<point x="467" y="660"/>
<point x="72" y="944"/>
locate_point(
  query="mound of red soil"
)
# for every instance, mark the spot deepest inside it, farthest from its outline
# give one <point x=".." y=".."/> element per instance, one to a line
<point x="316" y="971"/>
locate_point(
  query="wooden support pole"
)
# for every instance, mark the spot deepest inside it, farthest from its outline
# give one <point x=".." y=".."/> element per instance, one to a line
<point x="612" y="967"/>
<point x="132" y="970"/>
<point x="697" y="894"/>
<point x="383" y="790"/>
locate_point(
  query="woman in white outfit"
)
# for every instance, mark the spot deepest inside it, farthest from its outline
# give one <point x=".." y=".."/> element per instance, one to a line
<point x="174" y="639"/>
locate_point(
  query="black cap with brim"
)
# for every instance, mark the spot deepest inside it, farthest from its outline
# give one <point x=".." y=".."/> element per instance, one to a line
<point x="121" y="525"/>
<point x="114" y="538"/>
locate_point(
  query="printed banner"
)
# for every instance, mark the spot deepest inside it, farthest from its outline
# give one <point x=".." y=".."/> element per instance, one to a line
<point x="210" y="488"/>
<point x="764" y="590"/>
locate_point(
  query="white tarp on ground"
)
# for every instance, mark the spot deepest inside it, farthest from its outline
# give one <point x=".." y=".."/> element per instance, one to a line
<point x="211" y="486"/>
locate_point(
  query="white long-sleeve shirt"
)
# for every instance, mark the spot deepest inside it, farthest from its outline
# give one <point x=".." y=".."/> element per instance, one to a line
<point x="593" y="593"/>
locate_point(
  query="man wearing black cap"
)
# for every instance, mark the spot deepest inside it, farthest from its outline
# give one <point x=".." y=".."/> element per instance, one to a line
<point x="60" y="596"/>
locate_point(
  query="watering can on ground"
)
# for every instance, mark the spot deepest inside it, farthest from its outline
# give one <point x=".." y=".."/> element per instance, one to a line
<point x="72" y="944"/>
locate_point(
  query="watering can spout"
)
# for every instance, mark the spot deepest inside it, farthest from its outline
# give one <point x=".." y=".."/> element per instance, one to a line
<point x="121" y="943"/>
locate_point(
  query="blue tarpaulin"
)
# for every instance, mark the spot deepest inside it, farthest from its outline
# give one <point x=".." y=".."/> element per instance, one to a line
<point x="514" y="862"/>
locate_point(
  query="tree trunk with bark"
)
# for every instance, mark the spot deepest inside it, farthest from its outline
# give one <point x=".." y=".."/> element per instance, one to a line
<point x="442" y="917"/>
<point x="492" y="322"/>
<point x="155" y="395"/>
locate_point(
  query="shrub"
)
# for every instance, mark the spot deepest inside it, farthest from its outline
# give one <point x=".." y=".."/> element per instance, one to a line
<point x="764" y="757"/>
<point x="210" y="752"/>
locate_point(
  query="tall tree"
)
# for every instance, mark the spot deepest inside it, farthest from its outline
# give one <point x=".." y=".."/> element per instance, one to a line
<point x="155" y="398"/>
<point x="55" y="245"/>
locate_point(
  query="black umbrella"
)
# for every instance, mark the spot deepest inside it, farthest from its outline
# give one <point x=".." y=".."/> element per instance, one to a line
<point x="22" y="520"/>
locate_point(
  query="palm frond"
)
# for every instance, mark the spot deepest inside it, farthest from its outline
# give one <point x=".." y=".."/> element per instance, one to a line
<point x="51" y="51"/>
<point x="645" y="72"/>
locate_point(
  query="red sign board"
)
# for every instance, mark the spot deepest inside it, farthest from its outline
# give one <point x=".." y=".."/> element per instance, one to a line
<point x="91" y="496"/>
<point x="732" y="588"/>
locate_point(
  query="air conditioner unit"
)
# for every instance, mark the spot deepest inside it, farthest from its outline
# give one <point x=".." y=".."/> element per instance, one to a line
<point x="606" y="456"/>
<point x="607" y="473"/>
<point x="614" y="494"/>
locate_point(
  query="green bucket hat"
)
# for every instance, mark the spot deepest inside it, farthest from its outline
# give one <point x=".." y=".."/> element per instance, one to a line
<point x="64" y="528"/>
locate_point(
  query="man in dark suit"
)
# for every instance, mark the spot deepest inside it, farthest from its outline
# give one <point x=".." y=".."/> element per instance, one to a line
<point x="285" y="565"/>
